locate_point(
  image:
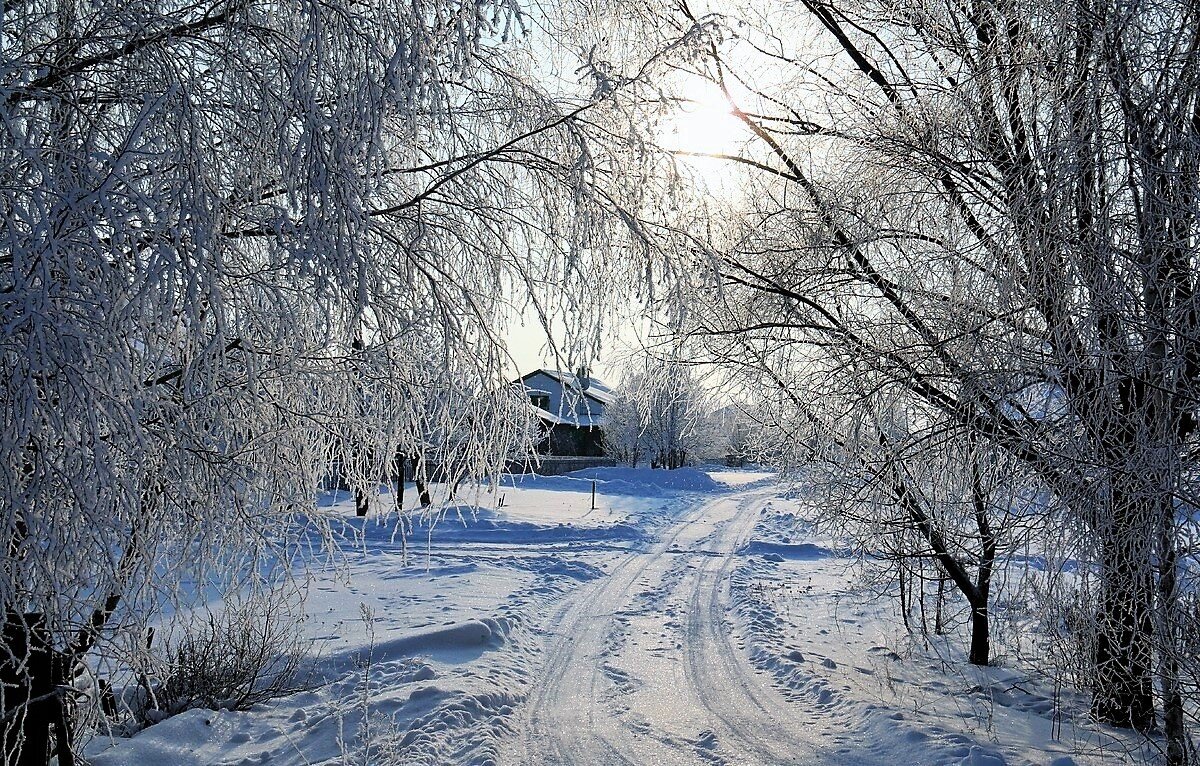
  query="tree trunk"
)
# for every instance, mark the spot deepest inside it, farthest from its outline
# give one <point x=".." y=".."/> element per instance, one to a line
<point x="939" y="609"/>
<point x="30" y="708"/>
<point x="64" y="739"/>
<point x="980" y="629"/>
<point x="1123" y="693"/>
<point x="422" y="487"/>
<point x="399" y="461"/>
<point x="976" y="592"/>
<point x="904" y="599"/>
<point x="1174" y="727"/>
<point x="980" y="635"/>
<point x="921" y="599"/>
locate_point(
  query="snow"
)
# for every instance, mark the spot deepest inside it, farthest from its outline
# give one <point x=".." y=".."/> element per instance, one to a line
<point x="810" y="622"/>
<point x="596" y="388"/>
<point x="690" y="617"/>
<point x="641" y="482"/>
<point x="574" y="419"/>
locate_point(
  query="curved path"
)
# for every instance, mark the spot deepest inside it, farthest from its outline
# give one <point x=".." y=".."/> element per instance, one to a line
<point x="643" y="668"/>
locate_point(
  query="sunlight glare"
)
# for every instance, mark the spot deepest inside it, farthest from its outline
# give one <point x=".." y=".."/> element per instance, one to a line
<point x="703" y="130"/>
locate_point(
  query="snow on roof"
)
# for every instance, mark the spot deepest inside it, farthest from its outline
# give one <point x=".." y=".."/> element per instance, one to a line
<point x="601" y="393"/>
<point x="582" y="421"/>
<point x="596" y="388"/>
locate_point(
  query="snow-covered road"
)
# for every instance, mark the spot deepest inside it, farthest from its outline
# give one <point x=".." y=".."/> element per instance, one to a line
<point x="643" y="667"/>
<point x="683" y="617"/>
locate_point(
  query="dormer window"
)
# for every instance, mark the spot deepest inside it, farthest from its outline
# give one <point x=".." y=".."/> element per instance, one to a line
<point x="541" y="401"/>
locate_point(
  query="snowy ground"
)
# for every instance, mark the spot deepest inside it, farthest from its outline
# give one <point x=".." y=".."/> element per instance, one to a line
<point x="690" y="618"/>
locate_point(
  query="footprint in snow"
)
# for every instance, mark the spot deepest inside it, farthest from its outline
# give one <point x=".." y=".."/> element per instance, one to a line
<point x="706" y="747"/>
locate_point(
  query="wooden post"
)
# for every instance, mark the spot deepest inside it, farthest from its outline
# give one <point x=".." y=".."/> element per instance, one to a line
<point x="593" y="494"/>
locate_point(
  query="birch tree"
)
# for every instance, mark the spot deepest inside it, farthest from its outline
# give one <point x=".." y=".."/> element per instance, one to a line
<point x="990" y="209"/>
<point x="240" y="240"/>
<point x="660" y="414"/>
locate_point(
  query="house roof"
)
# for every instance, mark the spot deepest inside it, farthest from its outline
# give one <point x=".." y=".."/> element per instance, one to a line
<point x="582" y="421"/>
<point x="596" y="390"/>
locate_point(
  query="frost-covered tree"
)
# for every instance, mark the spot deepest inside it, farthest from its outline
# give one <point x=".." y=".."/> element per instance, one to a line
<point x="624" y="434"/>
<point x="926" y="496"/>
<point x="661" y="414"/>
<point x="242" y="240"/>
<point x="990" y="211"/>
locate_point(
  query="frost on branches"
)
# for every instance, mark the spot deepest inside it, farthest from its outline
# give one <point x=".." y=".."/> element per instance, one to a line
<point x="971" y="244"/>
<point x="240" y="240"/>
<point x="662" y="415"/>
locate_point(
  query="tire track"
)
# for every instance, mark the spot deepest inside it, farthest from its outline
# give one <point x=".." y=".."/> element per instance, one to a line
<point x="752" y="719"/>
<point x="701" y="702"/>
<point x="568" y="719"/>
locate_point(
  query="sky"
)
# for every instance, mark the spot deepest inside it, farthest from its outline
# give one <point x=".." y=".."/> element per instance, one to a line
<point x="528" y="348"/>
<point x="704" y="125"/>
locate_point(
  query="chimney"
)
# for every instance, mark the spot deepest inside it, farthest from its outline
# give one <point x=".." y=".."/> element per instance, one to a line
<point x="581" y="375"/>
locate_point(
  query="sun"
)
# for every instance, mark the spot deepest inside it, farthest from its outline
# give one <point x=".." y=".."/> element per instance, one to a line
<point x="704" y="133"/>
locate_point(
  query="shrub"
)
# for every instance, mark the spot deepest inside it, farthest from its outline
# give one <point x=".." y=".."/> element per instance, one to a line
<point x="238" y="657"/>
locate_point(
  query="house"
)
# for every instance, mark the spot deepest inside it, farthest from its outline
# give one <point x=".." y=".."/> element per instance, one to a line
<point x="572" y="408"/>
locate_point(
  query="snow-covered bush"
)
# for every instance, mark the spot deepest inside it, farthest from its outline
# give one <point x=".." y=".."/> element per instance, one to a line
<point x="230" y="659"/>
